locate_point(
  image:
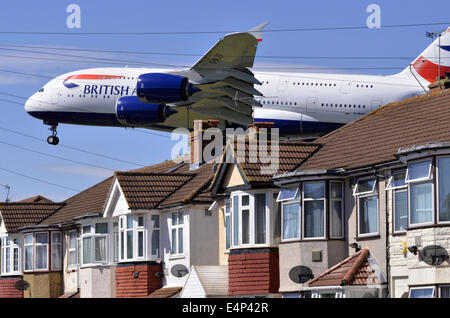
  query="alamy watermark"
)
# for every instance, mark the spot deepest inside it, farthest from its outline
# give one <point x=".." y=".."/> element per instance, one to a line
<point x="74" y="19"/>
<point x="374" y="19"/>
<point x="252" y="146"/>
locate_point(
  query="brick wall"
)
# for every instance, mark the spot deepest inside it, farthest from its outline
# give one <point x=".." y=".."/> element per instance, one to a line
<point x="7" y="289"/>
<point x="127" y="285"/>
<point x="253" y="272"/>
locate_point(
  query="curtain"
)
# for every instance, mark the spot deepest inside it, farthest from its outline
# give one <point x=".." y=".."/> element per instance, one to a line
<point x="444" y="292"/>
<point x="368" y="215"/>
<point x="29" y="257"/>
<point x="130" y="244"/>
<point x="180" y="240"/>
<point x="444" y="189"/>
<point x="260" y="218"/>
<point x="336" y="218"/>
<point x="291" y="218"/>
<point x="421" y="202"/>
<point x="140" y="244"/>
<point x="41" y="256"/>
<point x="100" y="248"/>
<point x="8" y="259"/>
<point x="401" y="210"/>
<point x="155" y="243"/>
<point x="236" y="220"/>
<point x="245" y="226"/>
<point x="86" y="250"/>
<point x="56" y="256"/>
<point x="314" y="218"/>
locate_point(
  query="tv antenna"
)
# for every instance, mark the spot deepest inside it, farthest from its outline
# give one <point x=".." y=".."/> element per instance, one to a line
<point x="433" y="35"/>
<point x="8" y="188"/>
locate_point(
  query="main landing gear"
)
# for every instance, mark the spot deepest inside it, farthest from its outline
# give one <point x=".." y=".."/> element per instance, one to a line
<point x="53" y="140"/>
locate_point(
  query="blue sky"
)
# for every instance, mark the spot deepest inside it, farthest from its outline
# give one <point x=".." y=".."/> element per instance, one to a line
<point x="154" y="16"/>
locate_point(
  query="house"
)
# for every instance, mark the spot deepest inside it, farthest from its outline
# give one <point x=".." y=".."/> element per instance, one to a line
<point x="249" y="213"/>
<point x="26" y="256"/>
<point x="377" y="184"/>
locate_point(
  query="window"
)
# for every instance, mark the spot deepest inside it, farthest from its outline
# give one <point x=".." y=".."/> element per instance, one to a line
<point x="140" y="236"/>
<point x="177" y="233"/>
<point x="336" y="209"/>
<point x="129" y="236"/>
<point x="314" y="209"/>
<point x="367" y="198"/>
<point x="400" y="200"/>
<point x="422" y="292"/>
<point x="155" y="235"/>
<point x="115" y="238"/>
<point x="260" y="218"/>
<point x="72" y="249"/>
<point x="10" y="255"/>
<point x="95" y="241"/>
<point x="291" y="220"/>
<point x="28" y="245"/>
<point x="444" y="291"/>
<point x="41" y="248"/>
<point x="245" y="219"/>
<point x="420" y="187"/>
<point x="227" y="216"/>
<point x="236" y="220"/>
<point x="56" y="251"/>
<point x="287" y="194"/>
<point x="443" y="172"/>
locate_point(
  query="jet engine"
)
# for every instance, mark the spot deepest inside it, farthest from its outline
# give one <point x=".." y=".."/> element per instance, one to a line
<point x="164" y="88"/>
<point x="131" y="111"/>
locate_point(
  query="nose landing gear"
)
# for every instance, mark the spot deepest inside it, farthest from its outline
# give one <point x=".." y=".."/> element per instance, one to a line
<point x="53" y="140"/>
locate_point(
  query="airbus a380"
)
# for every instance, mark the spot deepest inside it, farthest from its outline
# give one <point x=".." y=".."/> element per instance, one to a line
<point x="221" y="86"/>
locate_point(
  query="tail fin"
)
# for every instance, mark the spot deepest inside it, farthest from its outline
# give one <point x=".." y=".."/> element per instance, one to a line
<point x="434" y="60"/>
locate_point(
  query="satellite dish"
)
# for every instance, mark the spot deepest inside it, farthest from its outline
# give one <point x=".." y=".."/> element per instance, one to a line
<point x="434" y="255"/>
<point x="179" y="270"/>
<point x="21" y="285"/>
<point x="300" y="274"/>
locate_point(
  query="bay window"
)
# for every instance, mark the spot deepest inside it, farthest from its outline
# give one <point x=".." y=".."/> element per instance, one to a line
<point x="177" y="233"/>
<point x="314" y="209"/>
<point x="420" y="186"/>
<point x="72" y="249"/>
<point x="400" y="200"/>
<point x="56" y="251"/>
<point x="10" y="256"/>
<point x="336" y="209"/>
<point x="250" y="218"/>
<point x="367" y="198"/>
<point x="94" y="240"/>
<point x="443" y="166"/>
<point x="41" y="249"/>
<point x="290" y="209"/>
<point x="28" y="246"/>
<point x="137" y="237"/>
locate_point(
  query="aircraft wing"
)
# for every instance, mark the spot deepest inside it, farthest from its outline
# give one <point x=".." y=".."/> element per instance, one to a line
<point x="226" y="83"/>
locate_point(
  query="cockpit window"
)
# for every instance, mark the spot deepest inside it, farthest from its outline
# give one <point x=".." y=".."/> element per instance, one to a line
<point x="41" y="90"/>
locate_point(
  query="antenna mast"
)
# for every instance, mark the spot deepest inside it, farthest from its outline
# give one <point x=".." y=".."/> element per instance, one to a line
<point x="8" y="188"/>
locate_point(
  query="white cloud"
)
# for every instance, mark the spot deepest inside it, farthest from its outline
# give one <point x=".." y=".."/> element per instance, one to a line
<point x="77" y="170"/>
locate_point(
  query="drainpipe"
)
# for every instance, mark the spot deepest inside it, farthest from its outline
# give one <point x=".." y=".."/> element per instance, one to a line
<point x="387" y="243"/>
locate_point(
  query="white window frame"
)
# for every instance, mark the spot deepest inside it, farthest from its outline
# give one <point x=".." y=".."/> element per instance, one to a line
<point x="422" y="287"/>
<point x="330" y="205"/>
<point x="427" y="178"/>
<point x="228" y="213"/>
<point x="419" y="181"/>
<point x="395" y="189"/>
<point x="252" y="215"/>
<point x="93" y="235"/>
<point x="72" y="250"/>
<point x="438" y="207"/>
<point x="35" y="251"/>
<point x="115" y="246"/>
<point x="288" y="199"/>
<point x="13" y="244"/>
<point x="175" y="240"/>
<point x="140" y="229"/>
<point x="32" y="252"/>
<point x="123" y="229"/>
<point x="52" y="246"/>
<point x="296" y="201"/>
<point x="366" y="194"/>
<point x="324" y="200"/>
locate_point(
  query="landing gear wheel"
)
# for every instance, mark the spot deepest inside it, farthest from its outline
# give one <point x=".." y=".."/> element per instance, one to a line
<point x="53" y="140"/>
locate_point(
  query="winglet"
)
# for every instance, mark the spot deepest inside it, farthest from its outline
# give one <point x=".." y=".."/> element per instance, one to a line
<point x="257" y="31"/>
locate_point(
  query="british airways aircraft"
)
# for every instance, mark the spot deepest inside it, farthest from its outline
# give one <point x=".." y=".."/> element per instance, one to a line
<point x="221" y="86"/>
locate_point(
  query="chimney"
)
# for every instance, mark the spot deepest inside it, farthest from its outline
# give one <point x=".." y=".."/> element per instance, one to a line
<point x="254" y="130"/>
<point x="197" y="144"/>
<point x="441" y="83"/>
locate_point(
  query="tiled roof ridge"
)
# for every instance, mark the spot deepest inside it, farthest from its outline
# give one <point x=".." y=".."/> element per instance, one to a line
<point x="32" y="203"/>
<point x="319" y="146"/>
<point x="34" y="198"/>
<point x="183" y="174"/>
<point x="336" y="266"/>
<point x="199" y="189"/>
<point x="175" y="190"/>
<point x="414" y="99"/>
<point x="61" y="206"/>
<point x="85" y="190"/>
<point x="350" y="275"/>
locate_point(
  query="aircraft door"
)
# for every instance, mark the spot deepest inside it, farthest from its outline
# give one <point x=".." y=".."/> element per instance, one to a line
<point x="376" y="104"/>
<point x="346" y="87"/>
<point x="283" y="83"/>
<point x="311" y="104"/>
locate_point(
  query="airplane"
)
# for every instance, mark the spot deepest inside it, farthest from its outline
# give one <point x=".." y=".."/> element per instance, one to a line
<point x="220" y="85"/>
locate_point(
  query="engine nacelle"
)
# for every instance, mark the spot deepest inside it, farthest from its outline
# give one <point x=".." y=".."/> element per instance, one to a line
<point x="131" y="111"/>
<point x="164" y="88"/>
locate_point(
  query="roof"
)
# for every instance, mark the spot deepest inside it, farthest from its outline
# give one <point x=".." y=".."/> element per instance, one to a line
<point x="354" y="271"/>
<point x="214" y="279"/>
<point x="89" y="201"/>
<point x="165" y="292"/>
<point x="35" y="199"/>
<point x="376" y="137"/>
<point x="148" y="190"/>
<point x="19" y="214"/>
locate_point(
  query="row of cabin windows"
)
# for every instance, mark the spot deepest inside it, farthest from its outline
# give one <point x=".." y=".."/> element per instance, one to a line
<point x="279" y="103"/>
<point x="323" y="84"/>
<point x="92" y="96"/>
<point x="342" y="105"/>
